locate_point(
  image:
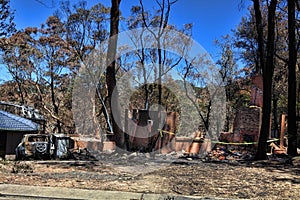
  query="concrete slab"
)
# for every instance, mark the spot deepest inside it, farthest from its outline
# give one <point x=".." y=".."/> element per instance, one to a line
<point x="11" y="191"/>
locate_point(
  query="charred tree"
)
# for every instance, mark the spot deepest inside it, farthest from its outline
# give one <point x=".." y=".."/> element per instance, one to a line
<point x="267" y="68"/>
<point x="111" y="71"/>
<point x="292" y="124"/>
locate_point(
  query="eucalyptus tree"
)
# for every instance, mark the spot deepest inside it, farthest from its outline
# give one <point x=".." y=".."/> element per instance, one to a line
<point x="154" y="64"/>
<point x="86" y="29"/>
<point x="266" y="65"/>
<point x="247" y="42"/>
<point x="19" y="57"/>
<point x="292" y="125"/>
<point x="159" y="20"/>
<point x="111" y="71"/>
<point x="230" y="76"/>
<point x="56" y="54"/>
<point x="7" y="24"/>
<point x="259" y="54"/>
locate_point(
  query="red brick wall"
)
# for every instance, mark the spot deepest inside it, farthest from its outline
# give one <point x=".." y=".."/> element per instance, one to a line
<point x="257" y="91"/>
<point x="247" y="123"/>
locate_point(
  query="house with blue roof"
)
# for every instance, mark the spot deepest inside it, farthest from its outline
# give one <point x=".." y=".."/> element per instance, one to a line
<point x="12" y="130"/>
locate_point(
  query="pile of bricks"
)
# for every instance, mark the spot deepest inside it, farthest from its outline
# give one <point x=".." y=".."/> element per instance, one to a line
<point x="231" y="153"/>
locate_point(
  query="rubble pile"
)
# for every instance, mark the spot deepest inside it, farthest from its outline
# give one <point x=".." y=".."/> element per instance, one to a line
<point x="231" y="153"/>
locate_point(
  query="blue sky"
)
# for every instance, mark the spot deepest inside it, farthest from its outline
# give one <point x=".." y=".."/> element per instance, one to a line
<point x="211" y="19"/>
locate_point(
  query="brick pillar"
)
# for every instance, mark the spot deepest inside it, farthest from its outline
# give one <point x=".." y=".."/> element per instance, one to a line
<point x="257" y="90"/>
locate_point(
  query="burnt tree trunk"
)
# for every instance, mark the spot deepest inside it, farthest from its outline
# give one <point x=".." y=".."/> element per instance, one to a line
<point x="54" y="103"/>
<point x="267" y="72"/>
<point x="111" y="72"/>
<point x="292" y="124"/>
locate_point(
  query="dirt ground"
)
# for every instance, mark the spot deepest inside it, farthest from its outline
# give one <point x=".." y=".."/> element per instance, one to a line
<point x="163" y="174"/>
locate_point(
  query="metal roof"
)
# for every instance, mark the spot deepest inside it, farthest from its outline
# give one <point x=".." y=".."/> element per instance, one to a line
<point x="11" y="122"/>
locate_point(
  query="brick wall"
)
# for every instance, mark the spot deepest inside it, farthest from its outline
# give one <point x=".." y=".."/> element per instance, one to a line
<point x="257" y="91"/>
<point x="246" y="126"/>
<point x="247" y="123"/>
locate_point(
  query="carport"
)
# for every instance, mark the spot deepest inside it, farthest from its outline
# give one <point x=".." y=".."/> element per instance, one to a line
<point x="12" y="129"/>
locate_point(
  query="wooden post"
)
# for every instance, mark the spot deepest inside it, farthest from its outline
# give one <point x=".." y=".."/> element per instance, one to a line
<point x="283" y="116"/>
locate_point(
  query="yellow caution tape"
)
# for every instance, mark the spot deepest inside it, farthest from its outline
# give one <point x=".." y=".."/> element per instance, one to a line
<point x="234" y="143"/>
<point x="274" y="140"/>
<point x="163" y="131"/>
<point x="217" y="142"/>
<point x="242" y="143"/>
